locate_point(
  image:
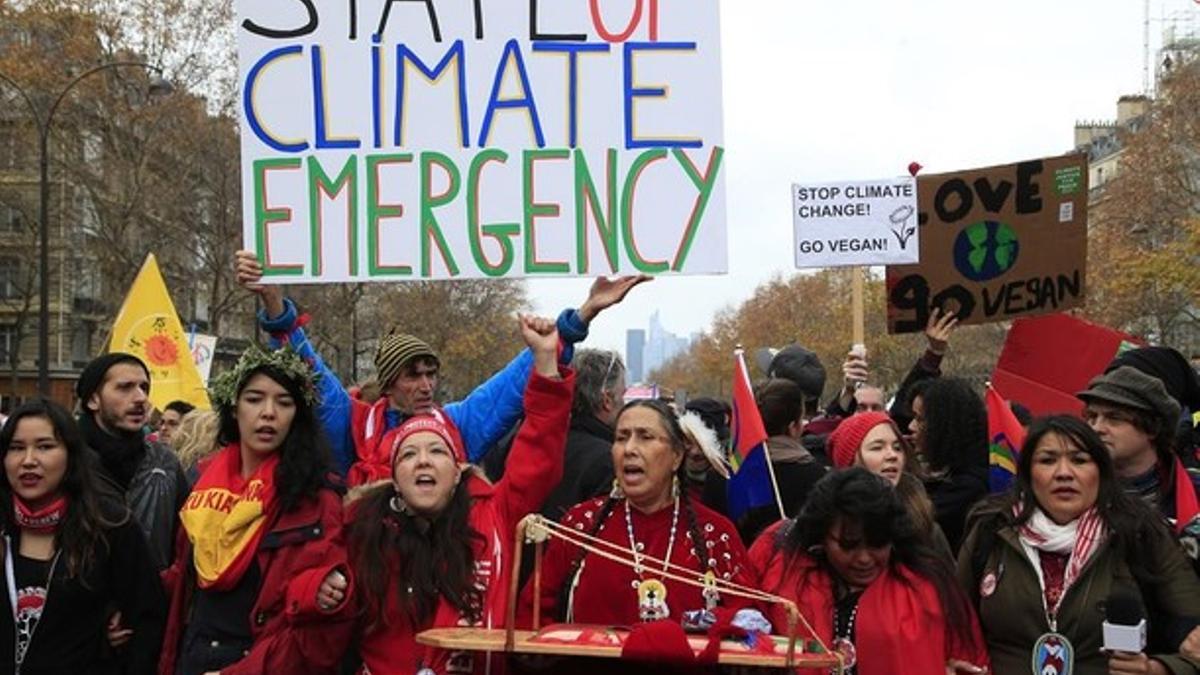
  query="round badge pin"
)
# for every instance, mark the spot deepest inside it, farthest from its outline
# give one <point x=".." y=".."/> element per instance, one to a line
<point x="988" y="585"/>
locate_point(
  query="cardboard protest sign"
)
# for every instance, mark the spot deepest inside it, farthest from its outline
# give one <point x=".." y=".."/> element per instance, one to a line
<point x="1047" y="359"/>
<point x="386" y="140"/>
<point x="855" y="223"/>
<point x="996" y="244"/>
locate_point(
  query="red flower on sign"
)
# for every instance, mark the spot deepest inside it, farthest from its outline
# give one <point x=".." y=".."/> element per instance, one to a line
<point x="161" y="350"/>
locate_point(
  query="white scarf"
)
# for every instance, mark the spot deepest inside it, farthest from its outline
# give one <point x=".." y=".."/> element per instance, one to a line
<point x="1080" y="538"/>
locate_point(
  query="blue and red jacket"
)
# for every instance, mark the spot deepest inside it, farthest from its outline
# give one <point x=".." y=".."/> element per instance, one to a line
<point x="482" y="418"/>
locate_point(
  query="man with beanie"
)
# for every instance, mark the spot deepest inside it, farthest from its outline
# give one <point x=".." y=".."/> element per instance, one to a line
<point x="1136" y="419"/>
<point x="804" y="368"/>
<point x="114" y="408"/>
<point x="407" y="372"/>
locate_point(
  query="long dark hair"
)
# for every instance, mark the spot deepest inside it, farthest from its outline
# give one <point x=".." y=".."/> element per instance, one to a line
<point x="304" y="458"/>
<point x="391" y="553"/>
<point x="1131" y="523"/>
<point x="955" y="435"/>
<point x="676" y="438"/>
<point x="859" y="496"/>
<point x="94" y="506"/>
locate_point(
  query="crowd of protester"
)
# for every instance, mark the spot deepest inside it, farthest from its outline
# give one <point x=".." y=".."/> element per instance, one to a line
<point x="303" y="527"/>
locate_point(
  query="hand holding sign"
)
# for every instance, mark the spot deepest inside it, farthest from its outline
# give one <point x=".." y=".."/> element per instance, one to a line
<point x="249" y="272"/>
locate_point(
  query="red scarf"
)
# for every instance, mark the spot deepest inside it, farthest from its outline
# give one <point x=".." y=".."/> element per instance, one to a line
<point x="226" y="516"/>
<point x="898" y="612"/>
<point x="42" y="521"/>
<point x="1186" y="504"/>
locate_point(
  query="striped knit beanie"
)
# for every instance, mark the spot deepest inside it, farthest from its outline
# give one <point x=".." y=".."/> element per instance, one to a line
<point x="395" y="352"/>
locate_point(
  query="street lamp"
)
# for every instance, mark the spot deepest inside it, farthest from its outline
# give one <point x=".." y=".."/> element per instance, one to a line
<point x="158" y="85"/>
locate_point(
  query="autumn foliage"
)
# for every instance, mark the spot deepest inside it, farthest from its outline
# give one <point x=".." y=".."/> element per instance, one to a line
<point x="1144" y="238"/>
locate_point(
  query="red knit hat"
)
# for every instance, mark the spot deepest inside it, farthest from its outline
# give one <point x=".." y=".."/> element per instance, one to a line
<point x="417" y="424"/>
<point x="845" y="441"/>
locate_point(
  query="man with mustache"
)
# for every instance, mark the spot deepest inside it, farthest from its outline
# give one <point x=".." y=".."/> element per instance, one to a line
<point x="114" y="408"/>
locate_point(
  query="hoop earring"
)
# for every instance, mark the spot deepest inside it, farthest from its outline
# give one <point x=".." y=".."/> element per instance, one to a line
<point x="675" y="486"/>
<point x="397" y="505"/>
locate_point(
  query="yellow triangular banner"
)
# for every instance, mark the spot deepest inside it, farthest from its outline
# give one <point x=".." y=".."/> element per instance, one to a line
<point x="148" y="327"/>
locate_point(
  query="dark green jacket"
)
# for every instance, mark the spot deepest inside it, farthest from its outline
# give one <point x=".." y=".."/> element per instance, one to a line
<point x="1013" y="618"/>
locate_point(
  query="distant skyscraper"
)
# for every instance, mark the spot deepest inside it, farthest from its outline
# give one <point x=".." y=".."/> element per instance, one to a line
<point x="635" y="345"/>
<point x="661" y="346"/>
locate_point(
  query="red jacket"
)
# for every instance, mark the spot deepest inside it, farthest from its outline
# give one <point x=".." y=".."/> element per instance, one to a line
<point x="534" y="468"/>
<point x="900" y="626"/>
<point x="291" y="634"/>
<point x="606" y="592"/>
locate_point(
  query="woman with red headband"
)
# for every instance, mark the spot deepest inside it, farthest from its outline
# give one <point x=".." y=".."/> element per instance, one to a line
<point x="432" y="547"/>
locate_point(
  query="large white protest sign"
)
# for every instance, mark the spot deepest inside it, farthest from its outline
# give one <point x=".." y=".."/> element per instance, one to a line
<point x="855" y="223"/>
<point x="426" y="139"/>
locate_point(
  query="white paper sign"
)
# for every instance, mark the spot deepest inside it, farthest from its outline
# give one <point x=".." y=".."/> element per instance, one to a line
<point x="388" y="141"/>
<point x="856" y="223"/>
<point x="204" y="347"/>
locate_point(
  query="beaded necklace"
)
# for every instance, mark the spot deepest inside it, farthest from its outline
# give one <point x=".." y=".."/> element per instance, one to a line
<point x="652" y="593"/>
<point x="843" y="631"/>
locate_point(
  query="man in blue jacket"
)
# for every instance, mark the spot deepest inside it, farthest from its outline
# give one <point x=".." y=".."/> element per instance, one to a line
<point x="407" y="371"/>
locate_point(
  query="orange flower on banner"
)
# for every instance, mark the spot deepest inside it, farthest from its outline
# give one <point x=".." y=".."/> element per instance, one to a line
<point x="161" y="350"/>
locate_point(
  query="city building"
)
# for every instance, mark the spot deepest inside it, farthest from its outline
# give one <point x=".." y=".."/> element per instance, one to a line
<point x="635" y="349"/>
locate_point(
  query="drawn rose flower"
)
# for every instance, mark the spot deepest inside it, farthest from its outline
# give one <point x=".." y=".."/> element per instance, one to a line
<point x="161" y="351"/>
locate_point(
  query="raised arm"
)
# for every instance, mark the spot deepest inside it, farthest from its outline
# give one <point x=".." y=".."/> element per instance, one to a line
<point x="535" y="463"/>
<point x="937" y="337"/>
<point x="492" y="409"/>
<point x="279" y="319"/>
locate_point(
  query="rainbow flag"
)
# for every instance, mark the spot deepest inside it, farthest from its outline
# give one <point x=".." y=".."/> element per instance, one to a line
<point x="750" y="482"/>
<point x="1005" y="437"/>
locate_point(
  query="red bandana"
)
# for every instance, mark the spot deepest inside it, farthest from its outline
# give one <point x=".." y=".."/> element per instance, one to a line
<point x="42" y="521"/>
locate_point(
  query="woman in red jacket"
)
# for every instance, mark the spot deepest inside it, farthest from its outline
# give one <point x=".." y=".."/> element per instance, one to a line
<point x="867" y="584"/>
<point x="257" y="581"/>
<point x="432" y="546"/>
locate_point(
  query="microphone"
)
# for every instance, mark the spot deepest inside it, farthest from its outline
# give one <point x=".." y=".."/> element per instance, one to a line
<point x="1124" y="624"/>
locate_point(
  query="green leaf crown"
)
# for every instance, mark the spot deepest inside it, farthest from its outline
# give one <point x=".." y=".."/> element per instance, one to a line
<point x="223" y="389"/>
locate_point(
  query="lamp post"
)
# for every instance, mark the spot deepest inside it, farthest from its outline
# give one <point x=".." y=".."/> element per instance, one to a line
<point x="43" y="123"/>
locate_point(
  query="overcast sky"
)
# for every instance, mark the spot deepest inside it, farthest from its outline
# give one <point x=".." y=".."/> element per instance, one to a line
<point x="856" y="89"/>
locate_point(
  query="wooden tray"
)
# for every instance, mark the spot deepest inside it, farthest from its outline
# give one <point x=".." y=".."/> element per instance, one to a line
<point x="561" y="640"/>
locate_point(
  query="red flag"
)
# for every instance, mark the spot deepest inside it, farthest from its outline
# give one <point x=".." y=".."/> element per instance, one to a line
<point x="751" y="484"/>
<point x="747" y="430"/>
<point x="1005" y="438"/>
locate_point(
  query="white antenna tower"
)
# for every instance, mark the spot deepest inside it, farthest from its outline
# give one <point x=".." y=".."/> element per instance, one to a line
<point x="1146" y="48"/>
